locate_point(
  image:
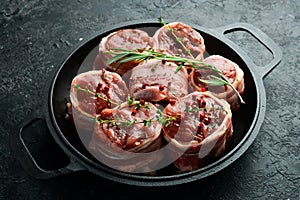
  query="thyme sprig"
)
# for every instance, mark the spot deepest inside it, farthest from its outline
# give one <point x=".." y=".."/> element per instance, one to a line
<point x="178" y="39"/>
<point x="160" y="117"/>
<point x="98" y="95"/>
<point x="119" y="122"/>
<point x="193" y="108"/>
<point x="130" y="100"/>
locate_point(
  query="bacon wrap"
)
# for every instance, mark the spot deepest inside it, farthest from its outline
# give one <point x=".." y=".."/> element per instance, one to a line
<point x="85" y="106"/>
<point x="117" y="144"/>
<point x="156" y="80"/>
<point x="200" y="131"/>
<point x="165" y="42"/>
<point x="230" y="70"/>
<point x="129" y="39"/>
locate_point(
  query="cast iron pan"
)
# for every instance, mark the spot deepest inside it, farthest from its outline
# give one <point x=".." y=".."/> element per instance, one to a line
<point x="246" y="121"/>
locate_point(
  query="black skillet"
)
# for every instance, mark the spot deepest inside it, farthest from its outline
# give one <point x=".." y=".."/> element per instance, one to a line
<point x="246" y="121"/>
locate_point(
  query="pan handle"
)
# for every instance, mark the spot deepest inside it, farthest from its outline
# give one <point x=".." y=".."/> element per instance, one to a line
<point x="26" y="158"/>
<point x="261" y="37"/>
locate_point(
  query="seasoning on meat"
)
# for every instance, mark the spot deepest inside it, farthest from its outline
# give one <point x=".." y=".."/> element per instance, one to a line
<point x="179" y="39"/>
<point x="155" y="80"/>
<point x="230" y="70"/>
<point x="87" y="86"/>
<point x="129" y="132"/>
<point x="201" y="130"/>
<point x="129" y="39"/>
<point x="119" y="135"/>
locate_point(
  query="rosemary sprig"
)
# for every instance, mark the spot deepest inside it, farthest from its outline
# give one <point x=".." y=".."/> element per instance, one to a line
<point x="123" y="55"/>
<point x="216" y="81"/>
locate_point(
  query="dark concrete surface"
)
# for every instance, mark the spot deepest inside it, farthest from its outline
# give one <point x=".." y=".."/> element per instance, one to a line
<point x="37" y="35"/>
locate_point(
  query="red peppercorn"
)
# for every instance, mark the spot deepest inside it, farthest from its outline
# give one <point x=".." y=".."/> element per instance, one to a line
<point x="157" y="105"/>
<point x="161" y="87"/>
<point x="142" y="101"/>
<point x="145" y="85"/>
<point x="106" y="114"/>
<point x="200" y="133"/>
<point x="206" y="120"/>
<point x="197" y="73"/>
<point x="169" y="113"/>
<point x="178" y="118"/>
<point x="203" y="89"/>
<point x="133" y="112"/>
<point x="172" y="102"/>
<point x="201" y="125"/>
<point x="201" y="103"/>
<point x="202" y="116"/>
<point x="106" y="88"/>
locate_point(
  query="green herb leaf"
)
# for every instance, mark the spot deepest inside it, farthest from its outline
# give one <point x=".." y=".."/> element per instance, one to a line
<point x="138" y="106"/>
<point x="160" y="19"/>
<point x="130" y="100"/>
<point x="132" y="58"/>
<point x="178" y="68"/>
<point x="213" y="82"/>
<point x="117" y="58"/>
<point x="154" y="67"/>
<point x="193" y="63"/>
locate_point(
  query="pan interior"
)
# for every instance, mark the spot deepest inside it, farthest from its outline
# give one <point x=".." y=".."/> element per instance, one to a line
<point x="82" y="60"/>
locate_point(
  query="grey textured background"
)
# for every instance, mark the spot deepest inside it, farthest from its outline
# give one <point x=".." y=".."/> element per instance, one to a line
<point x="37" y="35"/>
